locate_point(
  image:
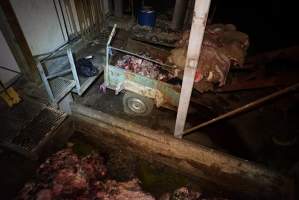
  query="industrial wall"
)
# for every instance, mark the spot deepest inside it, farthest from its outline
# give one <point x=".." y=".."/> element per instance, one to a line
<point x="7" y="60"/>
<point x="40" y="24"/>
<point x="47" y="24"/>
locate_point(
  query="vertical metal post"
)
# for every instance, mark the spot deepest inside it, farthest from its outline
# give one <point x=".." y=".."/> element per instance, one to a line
<point x="106" y="81"/>
<point x="45" y="80"/>
<point x="201" y="10"/>
<point x="74" y="70"/>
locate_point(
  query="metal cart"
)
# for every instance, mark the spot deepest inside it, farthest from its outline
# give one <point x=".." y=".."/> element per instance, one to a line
<point x="142" y="93"/>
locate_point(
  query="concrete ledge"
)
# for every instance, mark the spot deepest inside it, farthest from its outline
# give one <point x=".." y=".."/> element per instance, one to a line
<point x="231" y="173"/>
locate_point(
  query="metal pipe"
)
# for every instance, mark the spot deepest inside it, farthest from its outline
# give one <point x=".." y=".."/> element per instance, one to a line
<point x="73" y="68"/>
<point x="11" y="70"/>
<point x="45" y="80"/>
<point x="245" y="107"/>
<point x="179" y="14"/>
<point x="106" y="76"/>
<point x="58" y="74"/>
<point x="52" y="53"/>
<point x="201" y="11"/>
<point x="111" y="35"/>
<point x="49" y="55"/>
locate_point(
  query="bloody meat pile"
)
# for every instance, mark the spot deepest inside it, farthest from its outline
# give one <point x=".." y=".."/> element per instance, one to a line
<point x="143" y="67"/>
<point x="65" y="175"/>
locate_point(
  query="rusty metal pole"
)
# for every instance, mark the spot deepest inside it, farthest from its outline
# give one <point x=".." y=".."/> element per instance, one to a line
<point x="201" y="10"/>
<point x="179" y="14"/>
<point x="245" y="108"/>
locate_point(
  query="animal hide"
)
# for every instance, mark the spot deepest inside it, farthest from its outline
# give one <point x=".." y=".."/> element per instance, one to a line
<point x="223" y="46"/>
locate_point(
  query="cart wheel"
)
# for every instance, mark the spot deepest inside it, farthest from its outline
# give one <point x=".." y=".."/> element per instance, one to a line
<point x="137" y="105"/>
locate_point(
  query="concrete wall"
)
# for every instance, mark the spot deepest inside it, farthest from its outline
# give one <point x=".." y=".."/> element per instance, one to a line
<point x="40" y="24"/>
<point x="43" y="27"/>
<point x="6" y="60"/>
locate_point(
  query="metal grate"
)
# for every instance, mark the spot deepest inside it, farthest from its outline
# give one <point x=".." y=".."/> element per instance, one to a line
<point x="60" y="87"/>
<point x="39" y="129"/>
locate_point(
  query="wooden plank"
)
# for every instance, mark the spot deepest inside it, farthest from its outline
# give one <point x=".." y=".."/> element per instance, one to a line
<point x="94" y="8"/>
<point x="100" y="12"/>
<point x="79" y="14"/>
<point x="201" y="10"/>
<point x="200" y="162"/>
<point x="86" y="17"/>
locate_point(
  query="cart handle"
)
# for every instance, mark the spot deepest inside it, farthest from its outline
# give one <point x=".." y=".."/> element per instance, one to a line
<point x="111" y="35"/>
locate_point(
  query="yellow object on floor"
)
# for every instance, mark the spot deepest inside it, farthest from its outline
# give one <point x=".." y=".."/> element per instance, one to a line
<point x="10" y="96"/>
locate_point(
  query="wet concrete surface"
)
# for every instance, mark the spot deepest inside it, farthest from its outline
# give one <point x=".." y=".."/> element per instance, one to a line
<point x="154" y="177"/>
<point x="248" y="136"/>
<point x="12" y="120"/>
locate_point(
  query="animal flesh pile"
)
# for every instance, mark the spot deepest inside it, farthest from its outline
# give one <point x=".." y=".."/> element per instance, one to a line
<point x="67" y="176"/>
<point x="143" y="67"/>
<point x="185" y="193"/>
<point x="223" y="46"/>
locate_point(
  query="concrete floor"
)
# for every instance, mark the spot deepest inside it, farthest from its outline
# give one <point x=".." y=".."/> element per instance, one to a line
<point x="248" y="136"/>
<point x="12" y="120"/>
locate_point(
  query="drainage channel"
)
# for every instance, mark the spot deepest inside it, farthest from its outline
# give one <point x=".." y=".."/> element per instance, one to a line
<point x="213" y="170"/>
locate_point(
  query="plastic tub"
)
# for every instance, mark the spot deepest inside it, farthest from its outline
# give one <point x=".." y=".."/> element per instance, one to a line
<point x="146" y="17"/>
